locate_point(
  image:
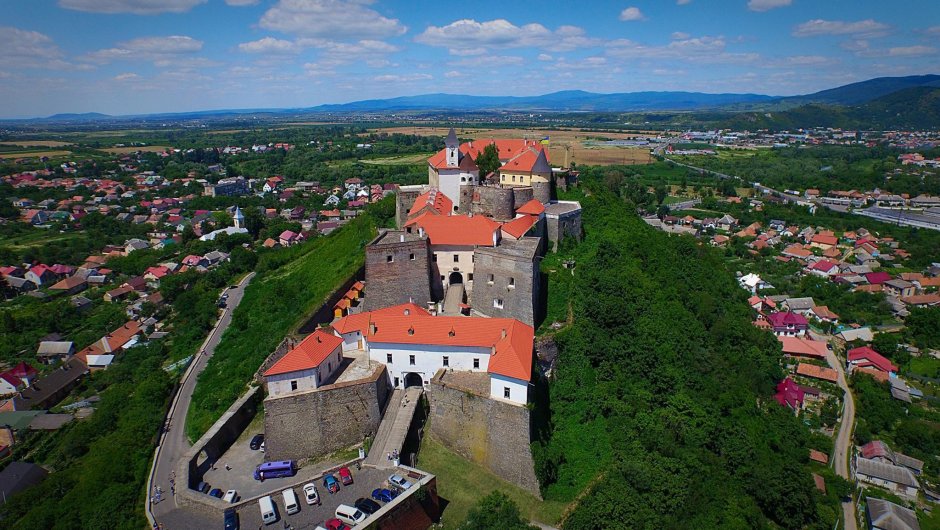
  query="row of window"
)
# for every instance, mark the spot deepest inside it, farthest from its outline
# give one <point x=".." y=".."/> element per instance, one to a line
<point x="456" y="258"/>
<point x="445" y="360"/>
<point x="503" y="178"/>
<point x="512" y="281"/>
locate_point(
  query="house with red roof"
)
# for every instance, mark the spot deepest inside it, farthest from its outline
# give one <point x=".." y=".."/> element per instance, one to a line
<point x="288" y="238"/>
<point x="824" y="268"/>
<point x="789" y="394"/>
<point x="433" y="202"/>
<point x="308" y="366"/>
<point x="24" y="372"/>
<point x="788" y="323"/>
<point x="877" y="278"/>
<point x="414" y="346"/>
<point x="865" y="357"/>
<point x="800" y="347"/>
<point x="10" y="384"/>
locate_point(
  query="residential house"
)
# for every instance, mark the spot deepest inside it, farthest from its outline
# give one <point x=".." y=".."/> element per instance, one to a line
<point x="752" y="283"/>
<point x="51" y="389"/>
<point x="849" y="335"/>
<point x="878" y="450"/>
<point x="922" y="300"/>
<point x="896" y="479"/>
<point x="788" y="323"/>
<point x="877" y="278"/>
<point x="71" y="285"/>
<point x="817" y="372"/>
<point x="824" y="268"/>
<point x="823" y="241"/>
<point x="288" y="238"/>
<point x="18" y="476"/>
<point x="308" y="366"/>
<point x="866" y="357"/>
<point x="824" y="314"/>
<point x="50" y="352"/>
<point x="727" y="223"/>
<point x="193" y="260"/>
<point x="215" y="257"/>
<point x="10" y="384"/>
<point x="40" y="275"/>
<point x="118" y="293"/>
<point x="135" y="244"/>
<point x="800" y="306"/>
<point x="789" y="394"/>
<point x="801" y="347"/>
<point x="886" y="515"/>
<point x="899" y="288"/>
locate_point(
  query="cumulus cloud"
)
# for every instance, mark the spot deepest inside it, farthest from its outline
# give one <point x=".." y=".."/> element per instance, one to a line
<point x="631" y="13"/>
<point x="705" y="49"/>
<point x="130" y="76"/>
<point x="136" y="7"/>
<point x="767" y="5"/>
<point x="911" y="51"/>
<point x="405" y="78"/>
<point x="933" y="30"/>
<point x="680" y="35"/>
<point x="545" y="57"/>
<point x="24" y="49"/>
<point x="330" y="19"/>
<point x="157" y="49"/>
<point x="269" y="45"/>
<point x="240" y="3"/>
<point x="469" y="37"/>
<point x="861" y="28"/>
<point x="453" y="74"/>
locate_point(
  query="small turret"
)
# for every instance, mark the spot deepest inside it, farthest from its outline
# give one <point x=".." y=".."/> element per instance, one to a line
<point x="238" y="217"/>
<point x="452" y="145"/>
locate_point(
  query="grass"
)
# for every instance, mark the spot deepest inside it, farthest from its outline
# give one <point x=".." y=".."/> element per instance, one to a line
<point x="37" y="143"/>
<point x="275" y="303"/>
<point x="39" y="238"/>
<point x="462" y="483"/>
<point x="134" y="149"/>
<point x="400" y="160"/>
<point x="925" y="366"/>
<point x="672" y="199"/>
<point x="34" y="154"/>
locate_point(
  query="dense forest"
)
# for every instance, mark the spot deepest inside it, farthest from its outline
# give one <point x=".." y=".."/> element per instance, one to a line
<point x="661" y="414"/>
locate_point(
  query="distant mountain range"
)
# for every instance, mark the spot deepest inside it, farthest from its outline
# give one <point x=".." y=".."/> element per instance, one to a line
<point x="882" y="100"/>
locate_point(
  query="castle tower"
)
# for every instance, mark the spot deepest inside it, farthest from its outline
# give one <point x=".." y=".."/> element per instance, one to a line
<point x="453" y="149"/>
<point x="238" y="217"/>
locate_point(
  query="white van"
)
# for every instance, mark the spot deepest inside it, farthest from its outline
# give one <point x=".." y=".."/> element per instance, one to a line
<point x="349" y="514"/>
<point x="231" y="496"/>
<point x="268" y="514"/>
<point x="290" y="502"/>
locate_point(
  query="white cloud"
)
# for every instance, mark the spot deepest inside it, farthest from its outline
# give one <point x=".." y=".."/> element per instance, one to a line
<point x="545" y="57"/>
<point x="933" y="30"/>
<point x="136" y="7"/>
<point x="330" y="18"/>
<point x="588" y="63"/>
<point x="130" y="76"/>
<point x="631" y="13"/>
<point x="911" y="51"/>
<point x="767" y="5"/>
<point x="490" y="60"/>
<point x="469" y="37"/>
<point x="680" y="35"/>
<point x="807" y="60"/>
<point x="23" y="49"/>
<point x="240" y="3"/>
<point x="269" y="45"/>
<point x="157" y="49"/>
<point x="406" y="78"/>
<point x="705" y="49"/>
<point x="453" y="74"/>
<point x="862" y="28"/>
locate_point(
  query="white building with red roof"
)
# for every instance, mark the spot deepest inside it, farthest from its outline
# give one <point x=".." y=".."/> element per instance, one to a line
<point x="452" y="168"/>
<point x="414" y="345"/>
<point x="308" y="366"/>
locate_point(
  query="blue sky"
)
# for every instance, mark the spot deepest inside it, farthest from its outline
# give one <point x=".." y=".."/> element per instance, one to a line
<point x="144" y="56"/>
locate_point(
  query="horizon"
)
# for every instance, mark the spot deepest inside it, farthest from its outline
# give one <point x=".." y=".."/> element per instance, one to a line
<point x="138" y="57"/>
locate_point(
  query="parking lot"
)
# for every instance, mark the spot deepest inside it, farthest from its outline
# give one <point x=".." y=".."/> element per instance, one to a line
<point x="309" y="516"/>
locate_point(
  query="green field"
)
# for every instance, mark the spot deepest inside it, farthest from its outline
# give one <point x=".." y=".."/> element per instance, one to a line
<point x="462" y="483"/>
<point x="398" y="160"/>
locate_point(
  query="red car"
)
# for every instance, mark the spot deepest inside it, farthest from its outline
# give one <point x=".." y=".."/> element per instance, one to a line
<point x="335" y="524"/>
<point x="345" y="476"/>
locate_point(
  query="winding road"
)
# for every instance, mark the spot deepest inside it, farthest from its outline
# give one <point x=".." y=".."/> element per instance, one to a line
<point x="173" y="443"/>
<point x="843" y="442"/>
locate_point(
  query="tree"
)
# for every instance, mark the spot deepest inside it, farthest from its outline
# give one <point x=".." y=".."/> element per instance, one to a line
<point x="496" y="511"/>
<point x="488" y="160"/>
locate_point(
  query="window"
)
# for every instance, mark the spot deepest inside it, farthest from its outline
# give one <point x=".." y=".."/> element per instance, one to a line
<point x="512" y="283"/>
<point x="470" y="277"/>
<point x="473" y="258"/>
<point x="446" y="361"/>
<point x="293" y="385"/>
<point x="513" y="178"/>
<point x="411" y="360"/>
<point x="411" y="257"/>
<point x="506" y="392"/>
<point x="476" y="364"/>
<point x="389" y="259"/>
<point x="490" y="281"/>
<point x="434" y="257"/>
<point x="442" y="277"/>
<point x="388" y="357"/>
<point x="329" y="368"/>
<point x="498" y="303"/>
<point x="456" y="258"/>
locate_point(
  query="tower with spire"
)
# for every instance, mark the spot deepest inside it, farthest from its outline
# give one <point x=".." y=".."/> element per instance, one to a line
<point x="238" y="218"/>
<point x="452" y="146"/>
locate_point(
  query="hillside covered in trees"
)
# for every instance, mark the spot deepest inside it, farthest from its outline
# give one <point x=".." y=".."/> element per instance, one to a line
<point x="661" y="408"/>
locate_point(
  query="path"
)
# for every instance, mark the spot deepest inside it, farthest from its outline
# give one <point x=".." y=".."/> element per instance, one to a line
<point x="843" y="443"/>
<point x="394" y="428"/>
<point x="453" y="298"/>
<point x="174" y="444"/>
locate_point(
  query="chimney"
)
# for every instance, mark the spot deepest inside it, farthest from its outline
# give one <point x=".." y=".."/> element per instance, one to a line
<point x="503" y="334"/>
<point x="411" y="330"/>
<point x="372" y="328"/>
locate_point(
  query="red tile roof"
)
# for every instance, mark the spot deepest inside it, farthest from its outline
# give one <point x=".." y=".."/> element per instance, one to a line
<point x="789" y="394"/>
<point x="786" y="318"/>
<point x="876" y="278"/>
<point x="459" y="230"/>
<point x="811" y="370"/>
<point x="23" y="370"/>
<point x="309" y="354"/>
<point x="533" y="207"/>
<point x="512" y="340"/>
<point x="803" y="347"/>
<point x="519" y="226"/>
<point x="434" y="199"/>
<point x="818" y="456"/>
<point x="868" y="357"/>
<point x="824" y="239"/>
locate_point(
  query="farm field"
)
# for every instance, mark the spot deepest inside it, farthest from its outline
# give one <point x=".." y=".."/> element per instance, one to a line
<point x="134" y="149"/>
<point x="36" y="143"/>
<point x="400" y="160"/>
<point x="33" y="154"/>
<point x="562" y="140"/>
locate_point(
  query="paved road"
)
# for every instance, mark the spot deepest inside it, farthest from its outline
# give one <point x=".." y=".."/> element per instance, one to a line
<point x="174" y="444"/>
<point x="843" y="443"/>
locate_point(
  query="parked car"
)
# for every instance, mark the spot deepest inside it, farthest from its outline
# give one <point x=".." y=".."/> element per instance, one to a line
<point x="231" y="497"/>
<point x="311" y="494"/>
<point x="231" y="519"/>
<point x="203" y="487"/>
<point x="345" y="476"/>
<point x="335" y="524"/>
<point x="256" y="442"/>
<point x="216" y="492"/>
<point x="367" y="506"/>
<point x="331" y="484"/>
<point x="399" y="482"/>
<point x="383" y="495"/>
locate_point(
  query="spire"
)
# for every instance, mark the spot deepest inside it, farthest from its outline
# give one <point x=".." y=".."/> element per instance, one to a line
<point x="451" y="140"/>
<point x="238" y="217"/>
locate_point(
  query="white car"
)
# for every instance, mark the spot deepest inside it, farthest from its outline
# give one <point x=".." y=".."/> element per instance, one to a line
<point x="311" y="494"/>
<point x="231" y="496"/>
<point x="399" y="482"/>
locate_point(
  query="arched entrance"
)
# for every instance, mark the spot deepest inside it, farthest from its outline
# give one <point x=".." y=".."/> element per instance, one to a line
<point x="455" y="278"/>
<point x="413" y="379"/>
